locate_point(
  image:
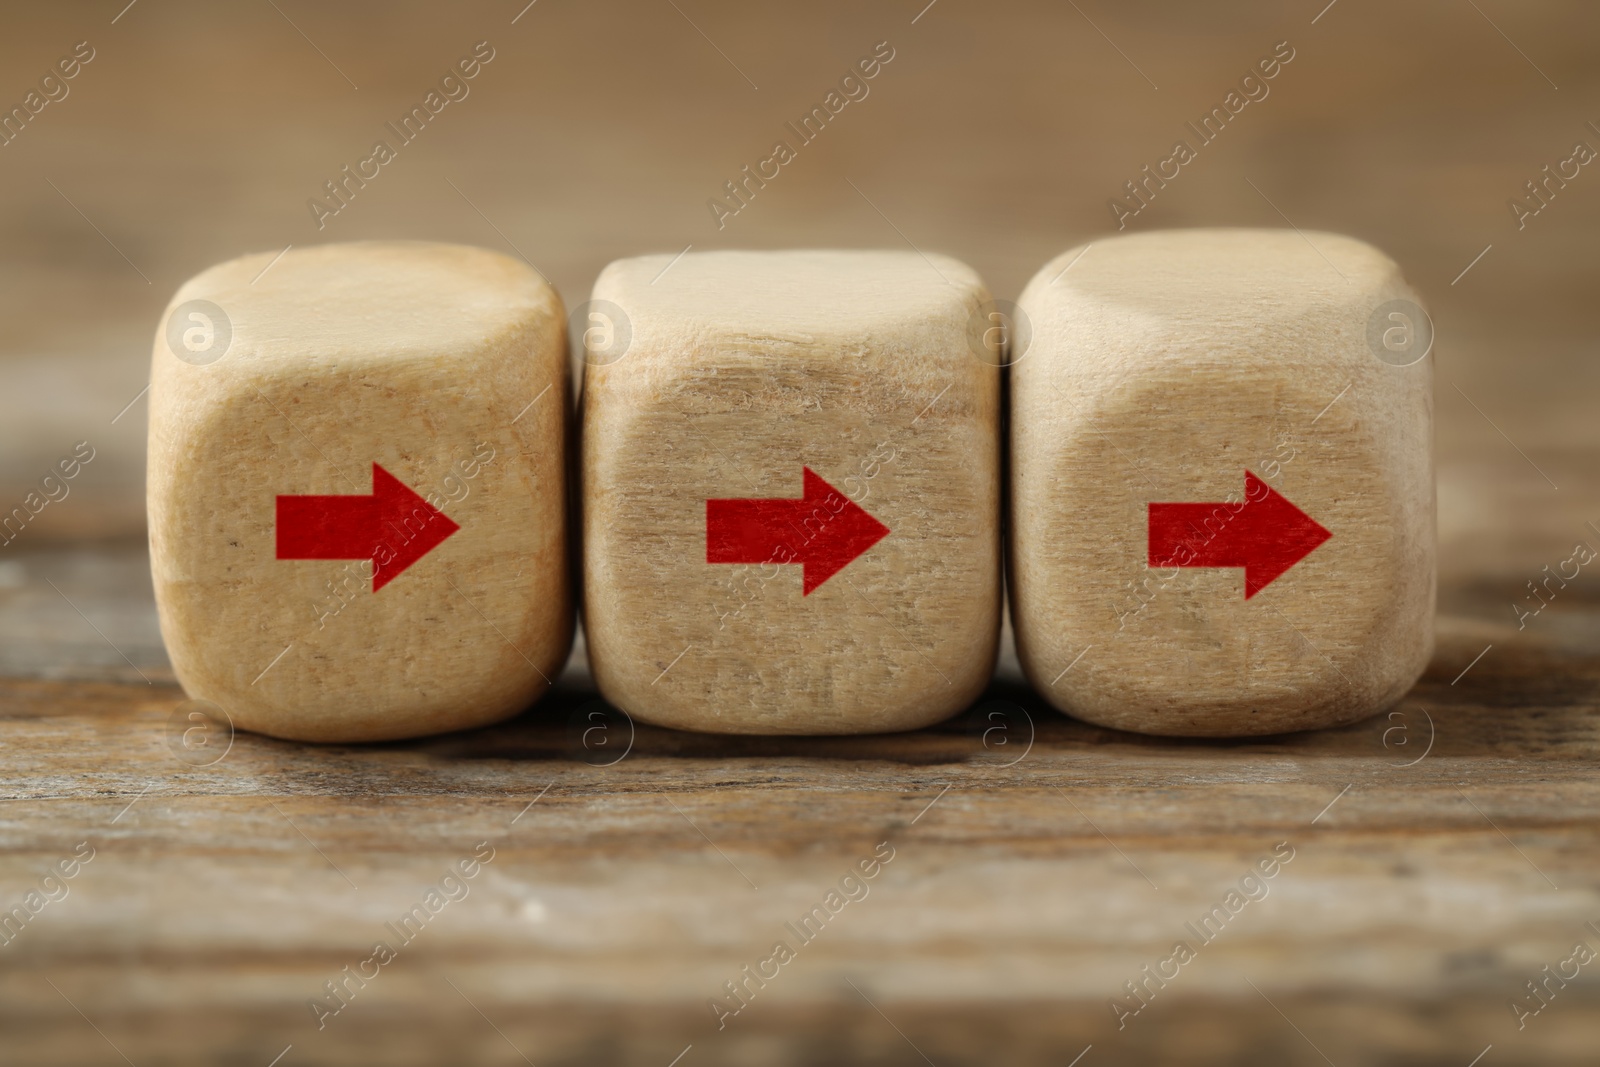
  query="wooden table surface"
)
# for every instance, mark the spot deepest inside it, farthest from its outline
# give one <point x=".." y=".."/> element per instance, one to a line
<point x="1443" y="854"/>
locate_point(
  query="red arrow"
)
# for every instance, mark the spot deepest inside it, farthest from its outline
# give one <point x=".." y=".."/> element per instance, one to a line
<point x="824" y="530"/>
<point x="1266" y="535"/>
<point x="394" y="527"/>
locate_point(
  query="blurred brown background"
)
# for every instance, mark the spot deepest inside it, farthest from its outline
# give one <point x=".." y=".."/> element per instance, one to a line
<point x="996" y="134"/>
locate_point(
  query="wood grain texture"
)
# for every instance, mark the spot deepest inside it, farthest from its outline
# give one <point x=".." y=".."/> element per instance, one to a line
<point x="744" y="370"/>
<point x="1170" y="367"/>
<point x="443" y="364"/>
<point x="1443" y="855"/>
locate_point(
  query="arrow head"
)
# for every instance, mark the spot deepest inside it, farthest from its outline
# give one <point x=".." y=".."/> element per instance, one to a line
<point x="846" y="531"/>
<point x="1279" y="535"/>
<point x="405" y="527"/>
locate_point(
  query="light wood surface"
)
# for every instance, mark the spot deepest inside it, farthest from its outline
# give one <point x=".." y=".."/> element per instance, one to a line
<point x="430" y="382"/>
<point x="853" y="383"/>
<point x="1218" y="391"/>
<point x="1415" y="907"/>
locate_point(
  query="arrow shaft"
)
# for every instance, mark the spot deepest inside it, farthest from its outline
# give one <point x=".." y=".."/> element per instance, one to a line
<point x="327" y="527"/>
<point x="1215" y="534"/>
<point x="752" y="531"/>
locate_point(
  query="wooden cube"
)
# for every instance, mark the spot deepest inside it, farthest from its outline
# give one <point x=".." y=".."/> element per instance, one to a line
<point x="1222" y="506"/>
<point x="791" y="491"/>
<point x="357" y="489"/>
